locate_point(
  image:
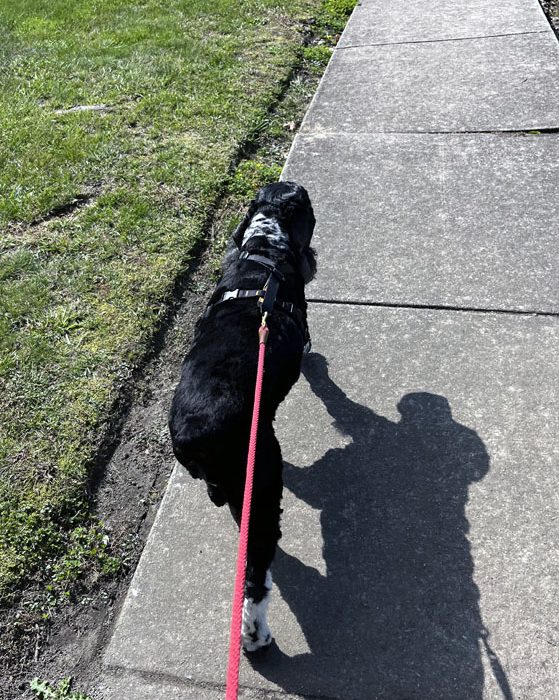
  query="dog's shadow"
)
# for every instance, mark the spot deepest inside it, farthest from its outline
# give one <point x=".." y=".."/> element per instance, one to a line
<point x="397" y="614"/>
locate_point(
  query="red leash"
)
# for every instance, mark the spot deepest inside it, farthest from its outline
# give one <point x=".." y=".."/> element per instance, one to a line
<point x="232" y="688"/>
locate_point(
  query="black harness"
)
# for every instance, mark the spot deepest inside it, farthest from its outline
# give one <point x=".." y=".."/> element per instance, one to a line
<point x="267" y="296"/>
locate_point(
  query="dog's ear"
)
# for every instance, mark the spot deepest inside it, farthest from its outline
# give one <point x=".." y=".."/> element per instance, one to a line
<point x="307" y="264"/>
<point x="303" y="228"/>
<point x="296" y="208"/>
<point x="239" y="232"/>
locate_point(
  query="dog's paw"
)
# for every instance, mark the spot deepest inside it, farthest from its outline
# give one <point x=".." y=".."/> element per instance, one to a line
<point x="260" y="646"/>
<point x="255" y="633"/>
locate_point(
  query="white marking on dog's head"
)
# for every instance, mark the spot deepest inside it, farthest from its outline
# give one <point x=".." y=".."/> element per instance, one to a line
<point x="261" y="225"/>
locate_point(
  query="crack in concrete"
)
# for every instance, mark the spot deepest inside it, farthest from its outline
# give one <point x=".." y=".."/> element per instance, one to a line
<point x="439" y="41"/>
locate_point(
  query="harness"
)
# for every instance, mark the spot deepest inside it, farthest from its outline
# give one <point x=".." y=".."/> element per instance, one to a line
<point x="267" y="296"/>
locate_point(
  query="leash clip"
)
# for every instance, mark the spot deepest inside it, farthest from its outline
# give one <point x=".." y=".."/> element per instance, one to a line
<point x="263" y="331"/>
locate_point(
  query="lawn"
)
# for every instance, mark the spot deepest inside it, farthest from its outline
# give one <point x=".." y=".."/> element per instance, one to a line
<point x="121" y="124"/>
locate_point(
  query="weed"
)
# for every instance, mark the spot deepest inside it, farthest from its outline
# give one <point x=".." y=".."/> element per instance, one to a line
<point x="63" y="691"/>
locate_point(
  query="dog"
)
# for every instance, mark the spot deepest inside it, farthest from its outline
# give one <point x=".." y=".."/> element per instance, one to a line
<point x="211" y="411"/>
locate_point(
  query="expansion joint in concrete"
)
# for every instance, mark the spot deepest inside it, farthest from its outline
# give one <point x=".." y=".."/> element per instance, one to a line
<point x="178" y="682"/>
<point x="436" y="307"/>
<point x="528" y="131"/>
<point x="439" y="41"/>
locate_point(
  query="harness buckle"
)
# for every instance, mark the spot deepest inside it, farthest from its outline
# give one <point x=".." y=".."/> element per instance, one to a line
<point x="230" y="295"/>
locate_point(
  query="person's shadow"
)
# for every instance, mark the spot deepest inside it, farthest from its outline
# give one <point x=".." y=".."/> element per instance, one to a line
<point x="397" y="615"/>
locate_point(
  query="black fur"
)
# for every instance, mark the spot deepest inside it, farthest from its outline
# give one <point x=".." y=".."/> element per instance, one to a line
<point x="212" y="407"/>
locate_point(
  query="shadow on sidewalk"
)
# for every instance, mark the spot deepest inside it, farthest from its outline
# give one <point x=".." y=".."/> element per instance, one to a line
<point x="397" y="615"/>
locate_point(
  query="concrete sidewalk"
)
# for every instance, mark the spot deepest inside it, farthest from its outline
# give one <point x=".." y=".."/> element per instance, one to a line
<point x="420" y="550"/>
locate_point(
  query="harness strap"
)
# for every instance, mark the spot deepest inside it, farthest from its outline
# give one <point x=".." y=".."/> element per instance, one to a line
<point x="280" y="270"/>
<point x="286" y="306"/>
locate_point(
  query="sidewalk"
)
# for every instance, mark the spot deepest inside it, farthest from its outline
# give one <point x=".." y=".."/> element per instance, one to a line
<point x="420" y="550"/>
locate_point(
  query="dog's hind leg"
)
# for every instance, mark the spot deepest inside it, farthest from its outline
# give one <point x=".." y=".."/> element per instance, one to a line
<point x="263" y="537"/>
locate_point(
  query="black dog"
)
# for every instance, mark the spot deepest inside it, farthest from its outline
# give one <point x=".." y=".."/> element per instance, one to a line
<point x="212" y="407"/>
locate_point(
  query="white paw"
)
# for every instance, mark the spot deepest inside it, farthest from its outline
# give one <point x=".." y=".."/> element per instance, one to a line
<point x="255" y="633"/>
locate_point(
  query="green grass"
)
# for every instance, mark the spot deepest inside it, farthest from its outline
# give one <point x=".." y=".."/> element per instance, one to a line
<point x="99" y="213"/>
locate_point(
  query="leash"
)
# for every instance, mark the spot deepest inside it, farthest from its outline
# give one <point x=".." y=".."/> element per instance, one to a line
<point x="232" y="688"/>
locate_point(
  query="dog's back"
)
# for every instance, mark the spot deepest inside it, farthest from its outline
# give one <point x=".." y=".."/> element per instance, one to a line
<point x="212" y="406"/>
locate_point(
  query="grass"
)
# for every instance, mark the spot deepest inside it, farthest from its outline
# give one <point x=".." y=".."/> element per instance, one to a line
<point x="82" y="293"/>
<point x="101" y="208"/>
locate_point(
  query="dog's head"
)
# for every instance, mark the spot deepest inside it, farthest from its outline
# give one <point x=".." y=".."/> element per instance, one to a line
<point x="288" y="204"/>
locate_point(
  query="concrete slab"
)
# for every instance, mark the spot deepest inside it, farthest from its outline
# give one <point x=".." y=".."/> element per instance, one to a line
<point x="466" y="220"/>
<point x="492" y="84"/>
<point x="378" y="22"/>
<point x="420" y="553"/>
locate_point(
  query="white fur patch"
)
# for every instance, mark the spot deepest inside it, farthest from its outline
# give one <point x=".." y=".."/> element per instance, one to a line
<point x="255" y="632"/>
<point x="264" y="226"/>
